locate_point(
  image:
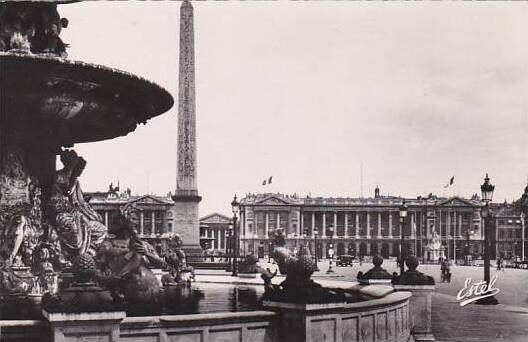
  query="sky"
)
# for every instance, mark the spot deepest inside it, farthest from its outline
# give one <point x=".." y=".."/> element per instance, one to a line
<point x="329" y="98"/>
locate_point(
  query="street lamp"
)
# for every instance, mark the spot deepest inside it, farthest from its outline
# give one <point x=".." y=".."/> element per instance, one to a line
<point x="403" y="214"/>
<point x="235" y="206"/>
<point x="487" y="195"/>
<point x="330" y="250"/>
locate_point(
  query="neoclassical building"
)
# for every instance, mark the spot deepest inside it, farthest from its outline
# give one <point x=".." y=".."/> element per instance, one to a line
<point x="215" y="230"/>
<point x="509" y="230"/>
<point x="362" y="226"/>
<point x="156" y="221"/>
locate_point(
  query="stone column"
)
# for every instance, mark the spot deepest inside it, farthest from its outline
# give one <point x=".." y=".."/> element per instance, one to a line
<point x="460" y="225"/>
<point x="379" y="224"/>
<point x="324" y="224"/>
<point x="278" y="219"/>
<point x="267" y="225"/>
<point x="153" y="218"/>
<point x="301" y="224"/>
<point x="413" y="224"/>
<point x="335" y="223"/>
<point x="368" y="225"/>
<point x="390" y="224"/>
<point x="346" y="224"/>
<point x="141" y="222"/>
<point x="106" y="218"/>
<point x="357" y="224"/>
<point x="313" y="221"/>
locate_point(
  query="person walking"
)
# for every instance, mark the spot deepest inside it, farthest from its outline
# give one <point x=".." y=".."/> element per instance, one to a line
<point x="446" y="274"/>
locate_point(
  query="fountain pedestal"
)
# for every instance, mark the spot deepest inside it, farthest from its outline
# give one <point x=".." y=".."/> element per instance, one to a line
<point x="422" y="287"/>
<point x="383" y="319"/>
<point x="85" y="327"/>
<point x="84" y="311"/>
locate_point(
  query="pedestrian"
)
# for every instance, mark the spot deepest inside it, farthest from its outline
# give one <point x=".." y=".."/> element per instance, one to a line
<point x="446" y="274"/>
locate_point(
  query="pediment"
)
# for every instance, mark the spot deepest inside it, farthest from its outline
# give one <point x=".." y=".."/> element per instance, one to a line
<point x="272" y="200"/>
<point x="215" y="218"/>
<point x="456" y="202"/>
<point x="148" y="200"/>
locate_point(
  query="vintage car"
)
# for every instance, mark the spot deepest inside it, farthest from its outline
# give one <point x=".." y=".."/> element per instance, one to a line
<point x="344" y="260"/>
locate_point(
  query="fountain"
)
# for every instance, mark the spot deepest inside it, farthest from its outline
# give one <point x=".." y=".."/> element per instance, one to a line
<point x="48" y="104"/>
<point x="48" y="231"/>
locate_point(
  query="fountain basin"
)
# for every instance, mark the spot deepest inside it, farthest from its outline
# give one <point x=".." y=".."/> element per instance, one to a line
<point x="384" y="318"/>
<point x="71" y="102"/>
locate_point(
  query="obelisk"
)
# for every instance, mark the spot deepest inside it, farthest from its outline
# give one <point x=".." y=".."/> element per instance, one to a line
<point x="186" y="198"/>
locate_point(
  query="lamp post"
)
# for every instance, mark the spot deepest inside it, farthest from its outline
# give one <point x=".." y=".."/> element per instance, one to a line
<point x="235" y="206"/>
<point x="330" y="250"/>
<point x="468" y="250"/>
<point x="403" y="215"/>
<point x="487" y="195"/>
<point x="229" y="246"/>
<point x="316" y="233"/>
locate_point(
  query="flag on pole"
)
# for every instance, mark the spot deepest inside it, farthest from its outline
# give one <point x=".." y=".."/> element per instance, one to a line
<point x="267" y="180"/>
<point x="450" y="182"/>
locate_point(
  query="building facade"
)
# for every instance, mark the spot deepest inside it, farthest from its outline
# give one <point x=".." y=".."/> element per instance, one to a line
<point x="362" y="226"/>
<point x="510" y="233"/>
<point x="156" y="220"/>
<point x="215" y="231"/>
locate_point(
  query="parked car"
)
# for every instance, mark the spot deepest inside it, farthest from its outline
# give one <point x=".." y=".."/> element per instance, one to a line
<point x="344" y="260"/>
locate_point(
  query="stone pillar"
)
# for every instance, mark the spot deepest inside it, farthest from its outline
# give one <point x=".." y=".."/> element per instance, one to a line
<point x="106" y="218"/>
<point x="346" y="224"/>
<point x="413" y="225"/>
<point x="153" y="223"/>
<point x="368" y="225"/>
<point x="335" y="223"/>
<point x="74" y="327"/>
<point x="278" y="219"/>
<point x="357" y="224"/>
<point x="141" y="222"/>
<point x="460" y="226"/>
<point x="379" y="224"/>
<point x="186" y="198"/>
<point x="267" y="225"/>
<point x="301" y="224"/>
<point x="324" y="224"/>
<point x="422" y="287"/>
<point x="242" y="225"/>
<point x="313" y="221"/>
<point x="390" y="224"/>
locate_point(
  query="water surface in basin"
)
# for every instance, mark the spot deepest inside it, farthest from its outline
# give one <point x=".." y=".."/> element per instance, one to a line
<point x="211" y="297"/>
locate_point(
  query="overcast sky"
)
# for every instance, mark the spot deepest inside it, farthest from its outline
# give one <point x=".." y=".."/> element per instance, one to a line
<point x="307" y="92"/>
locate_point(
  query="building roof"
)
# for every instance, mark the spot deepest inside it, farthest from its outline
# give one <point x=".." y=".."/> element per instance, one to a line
<point x="293" y="200"/>
<point x="215" y="218"/>
<point x="124" y="198"/>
